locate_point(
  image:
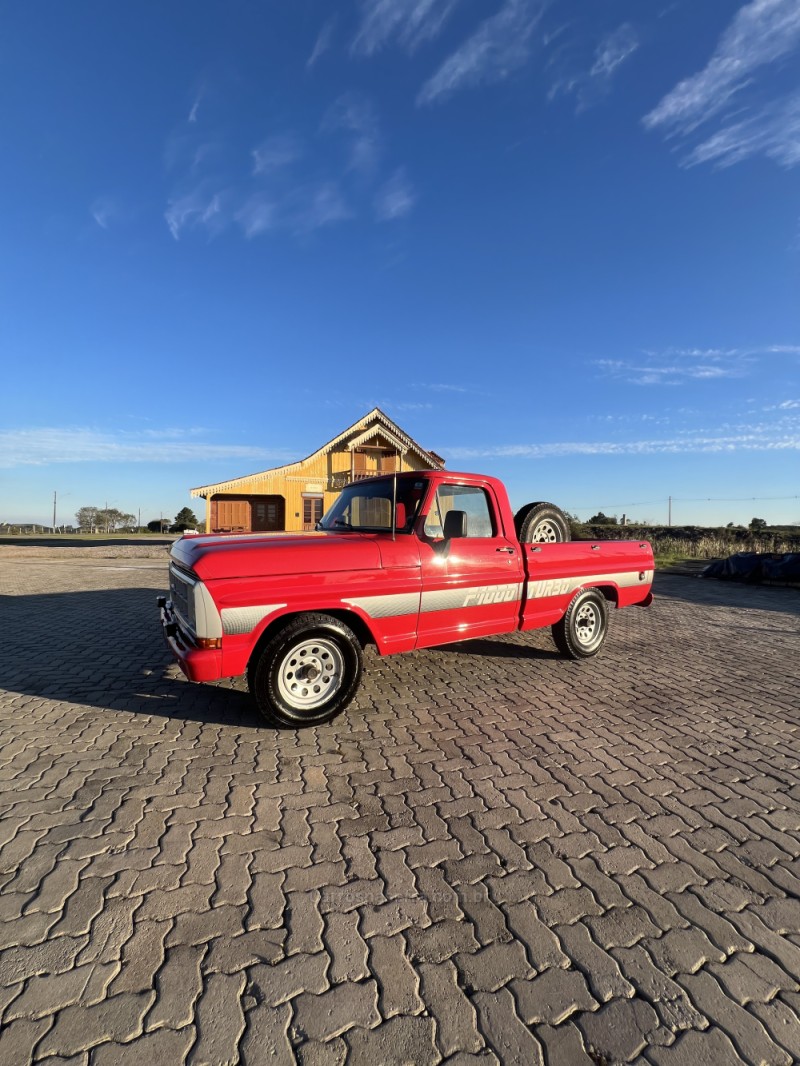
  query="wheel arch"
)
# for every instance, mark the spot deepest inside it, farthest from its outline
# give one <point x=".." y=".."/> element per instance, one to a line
<point x="351" y="619"/>
<point x="610" y="592"/>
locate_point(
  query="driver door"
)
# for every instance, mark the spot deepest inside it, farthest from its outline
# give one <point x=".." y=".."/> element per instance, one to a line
<point x="471" y="585"/>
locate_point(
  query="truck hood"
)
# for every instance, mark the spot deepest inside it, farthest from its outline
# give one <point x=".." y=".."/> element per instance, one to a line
<point x="256" y="554"/>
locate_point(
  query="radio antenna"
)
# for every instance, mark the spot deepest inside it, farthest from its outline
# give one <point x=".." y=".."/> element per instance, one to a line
<point x="394" y="497"/>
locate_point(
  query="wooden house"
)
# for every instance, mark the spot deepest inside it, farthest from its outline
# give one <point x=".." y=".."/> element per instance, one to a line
<point x="294" y="497"/>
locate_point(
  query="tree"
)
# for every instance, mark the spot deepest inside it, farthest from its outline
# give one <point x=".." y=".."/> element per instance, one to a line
<point x="86" y="518"/>
<point x="601" y="519"/>
<point x="184" y="519"/>
<point x="110" y="519"/>
<point x="757" y="524"/>
<point x="158" y="525"/>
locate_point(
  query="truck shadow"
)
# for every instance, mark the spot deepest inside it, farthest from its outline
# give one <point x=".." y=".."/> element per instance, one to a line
<point x="104" y="649"/>
<point x="497" y="648"/>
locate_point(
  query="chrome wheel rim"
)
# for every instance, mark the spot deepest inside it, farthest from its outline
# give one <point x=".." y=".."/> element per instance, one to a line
<point x="310" y="674"/>
<point x="545" y="532"/>
<point x="588" y="625"/>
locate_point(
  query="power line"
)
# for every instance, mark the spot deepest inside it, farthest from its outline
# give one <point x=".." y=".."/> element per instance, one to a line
<point x="684" y="499"/>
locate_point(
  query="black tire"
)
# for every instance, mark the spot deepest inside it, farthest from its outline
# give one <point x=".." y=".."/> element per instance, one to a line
<point x="541" y="523"/>
<point x="581" y="632"/>
<point x="307" y="673"/>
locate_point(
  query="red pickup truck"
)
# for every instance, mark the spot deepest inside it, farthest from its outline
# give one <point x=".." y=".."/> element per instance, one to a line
<point x="401" y="562"/>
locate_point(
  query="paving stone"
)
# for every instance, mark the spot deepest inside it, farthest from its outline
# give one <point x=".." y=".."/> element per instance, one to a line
<point x="620" y="1030"/>
<point x="552" y="997"/>
<point x="142" y="956"/>
<point x="394" y="917"/>
<point x="683" y="951"/>
<point x="266" y="1039"/>
<point x="398" y="1042"/>
<point x="179" y="983"/>
<point x="48" y="993"/>
<point x="304" y="921"/>
<point x="487" y="919"/>
<point x="440" y="898"/>
<point x="716" y="927"/>
<point x="600" y="968"/>
<point x="622" y="927"/>
<point x="505" y="1033"/>
<point x="746" y="1031"/>
<point x="335" y="1011"/>
<point x="782" y="1024"/>
<point x="712" y="1048"/>
<point x="20" y="1037"/>
<point x="231" y="954"/>
<point x="119" y="1019"/>
<point x="673" y="792"/>
<point x="672" y="1005"/>
<point x="541" y="943"/>
<point x="220" y="1021"/>
<point x="752" y="978"/>
<point x="456" y="1019"/>
<point x="441" y="941"/>
<point x="164" y="1046"/>
<point x="397" y="979"/>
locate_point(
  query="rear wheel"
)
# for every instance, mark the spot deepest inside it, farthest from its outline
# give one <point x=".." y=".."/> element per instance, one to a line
<point x="307" y="673"/>
<point x="582" y="631"/>
<point x="541" y="523"/>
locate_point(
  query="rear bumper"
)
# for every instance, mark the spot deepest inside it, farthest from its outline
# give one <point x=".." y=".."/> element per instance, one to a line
<point x="199" y="664"/>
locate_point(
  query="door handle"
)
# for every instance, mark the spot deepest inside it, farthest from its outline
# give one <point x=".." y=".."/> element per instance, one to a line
<point x="509" y="550"/>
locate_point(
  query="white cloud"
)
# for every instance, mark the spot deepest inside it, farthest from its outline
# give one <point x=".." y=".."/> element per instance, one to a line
<point x="276" y="153"/>
<point x="322" y="43"/>
<point x="257" y="216"/>
<point x="395" y="198"/>
<point x="499" y="46"/>
<point x="676" y="366"/>
<point x="354" y="116"/>
<point x="104" y="211"/>
<point x="613" y="50"/>
<point x="590" y="86"/>
<point x="774" y="132"/>
<point x="317" y="206"/>
<point x="198" y="207"/>
<point x="46" y="445"/>
<point x="409" y="22"/>
<point x="761" y="33"/>
<point x="759" y="441"/>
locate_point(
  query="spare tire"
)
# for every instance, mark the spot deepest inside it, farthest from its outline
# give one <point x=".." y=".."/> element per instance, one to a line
<point x="541" y="523"/>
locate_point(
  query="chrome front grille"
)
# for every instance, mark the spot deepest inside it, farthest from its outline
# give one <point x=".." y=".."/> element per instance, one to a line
<point x="182" y="595"/>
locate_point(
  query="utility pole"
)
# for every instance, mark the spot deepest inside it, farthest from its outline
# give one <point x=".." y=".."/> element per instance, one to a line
<point x="54" y="512"/>
<point x="669" y="519"/>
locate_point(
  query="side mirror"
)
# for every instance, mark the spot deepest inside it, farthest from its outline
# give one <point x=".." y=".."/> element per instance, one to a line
<point x="455" y="524"/>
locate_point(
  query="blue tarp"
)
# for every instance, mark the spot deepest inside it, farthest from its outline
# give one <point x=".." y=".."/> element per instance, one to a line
<point x="756" y="567"/>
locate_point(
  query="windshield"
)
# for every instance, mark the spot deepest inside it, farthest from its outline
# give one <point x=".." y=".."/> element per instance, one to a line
<point x="367" y="506"/>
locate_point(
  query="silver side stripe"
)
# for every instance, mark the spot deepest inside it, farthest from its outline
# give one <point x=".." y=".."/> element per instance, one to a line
<point x="560" y="585"/>
<point x="238" y="620"/>
<point x="442" y="600"/>
<point x="390" y="606"/>
<point x="478" y="596"/>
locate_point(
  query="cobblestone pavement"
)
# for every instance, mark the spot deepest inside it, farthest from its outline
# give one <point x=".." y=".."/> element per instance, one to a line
<point x="494" y="855"/>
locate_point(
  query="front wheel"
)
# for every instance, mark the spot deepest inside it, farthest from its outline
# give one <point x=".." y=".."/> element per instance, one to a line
<point x="582" y="631"/>
<point x="307" y="673"/>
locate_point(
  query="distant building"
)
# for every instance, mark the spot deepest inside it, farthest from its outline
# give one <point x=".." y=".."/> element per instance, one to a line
<point x="295" y="497"/>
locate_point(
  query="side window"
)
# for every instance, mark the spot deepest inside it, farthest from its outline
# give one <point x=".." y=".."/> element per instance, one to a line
<point x="468" y="498"/>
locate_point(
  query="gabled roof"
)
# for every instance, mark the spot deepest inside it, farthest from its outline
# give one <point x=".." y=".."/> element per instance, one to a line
<point x="374" y="423"/>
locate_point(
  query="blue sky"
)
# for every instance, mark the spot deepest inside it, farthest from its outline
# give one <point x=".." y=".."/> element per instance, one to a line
<point x="558" y="242"/>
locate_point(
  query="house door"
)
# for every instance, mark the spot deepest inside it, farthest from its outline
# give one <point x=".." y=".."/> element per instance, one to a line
<point x="268" y="514"/>
<point x="312" y="511"/>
